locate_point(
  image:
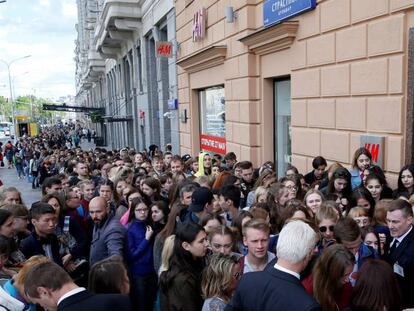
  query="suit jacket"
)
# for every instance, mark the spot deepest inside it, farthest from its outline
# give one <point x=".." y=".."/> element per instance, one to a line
<point x="271" y="290"/>
<point x="404" y="255"/>
<point x="85" y="301"/>
<point x="33" y="245"/>
<point x="107" y="240"/>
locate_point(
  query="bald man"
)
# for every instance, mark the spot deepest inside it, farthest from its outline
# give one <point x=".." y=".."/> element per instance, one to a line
<point x="108" y="234"/>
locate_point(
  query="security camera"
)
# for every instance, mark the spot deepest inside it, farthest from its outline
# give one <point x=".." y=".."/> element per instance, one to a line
<point x="168" y="115"/>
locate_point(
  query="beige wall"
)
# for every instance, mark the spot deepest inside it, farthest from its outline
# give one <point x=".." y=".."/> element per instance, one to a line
<point x="348" y="73"/>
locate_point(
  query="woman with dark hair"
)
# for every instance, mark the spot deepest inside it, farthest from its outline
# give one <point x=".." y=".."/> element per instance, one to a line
<point x="293" y="209"/>
<point x="140" y="239"/>
<point x="371" y="238"/>
<point x="405" y="182"/>
<point x="151" y="187"/>
<point x="159" y="215"/>
<point x="339" y="188"/>
<point x="181" y="284"/>
<point x="109" y="276"/>
<point x="168" y="230"/>
<point x="329" y="281"/>
<point x="375" y="170"/>
<point x="376" y="288"/>
<point x="375" y="185"/>
<point x="362" y="197"/>
<point x="294" y="186"/>
<point x="209" y="221"/>
<point x="361" y="161"/>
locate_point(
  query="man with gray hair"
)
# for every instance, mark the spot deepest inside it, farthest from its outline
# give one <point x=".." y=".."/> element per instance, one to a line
<point x="279" y="287"/>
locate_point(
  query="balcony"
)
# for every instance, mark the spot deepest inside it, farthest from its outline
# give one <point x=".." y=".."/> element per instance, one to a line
<point x="115" y="25"/>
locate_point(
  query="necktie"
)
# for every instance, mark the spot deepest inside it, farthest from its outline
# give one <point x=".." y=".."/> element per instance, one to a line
<point x="393" y="247"/>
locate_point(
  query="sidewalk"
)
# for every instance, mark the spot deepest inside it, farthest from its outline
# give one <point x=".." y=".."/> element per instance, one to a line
<point x="29" y="195"/>
<point x="9" y="179"/>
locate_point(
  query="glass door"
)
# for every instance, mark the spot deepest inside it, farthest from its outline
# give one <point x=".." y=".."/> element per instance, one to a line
<point x="283" y="150"/>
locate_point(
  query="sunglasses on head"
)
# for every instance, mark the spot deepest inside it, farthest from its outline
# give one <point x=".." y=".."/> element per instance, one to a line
<point x="324" y="228"/>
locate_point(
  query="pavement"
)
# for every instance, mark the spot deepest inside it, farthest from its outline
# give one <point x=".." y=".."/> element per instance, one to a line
<point x="29" y="195"/>
<point x="9" y="179"/>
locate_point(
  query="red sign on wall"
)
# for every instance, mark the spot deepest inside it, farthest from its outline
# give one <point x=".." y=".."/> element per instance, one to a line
<point x="163" y="49"/>
<point x="213" y="143"/>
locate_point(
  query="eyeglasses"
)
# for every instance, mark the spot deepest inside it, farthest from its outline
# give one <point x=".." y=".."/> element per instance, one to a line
<point x="141" y="210"/>
<point x="324" y="228"/>
<point x="292" y="187"/>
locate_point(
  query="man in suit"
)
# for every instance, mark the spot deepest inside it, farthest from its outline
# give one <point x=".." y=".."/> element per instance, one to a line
<point x="50" y="286"/>
<point x="43" y="240"/>
<point x="400" y="251"/>
<point x="109" y="235"/>
<point x="279" y="287"/>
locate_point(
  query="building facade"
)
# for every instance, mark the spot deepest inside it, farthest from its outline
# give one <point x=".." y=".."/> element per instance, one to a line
<point x="323" y="82"/>
<point x="119" y="69"/>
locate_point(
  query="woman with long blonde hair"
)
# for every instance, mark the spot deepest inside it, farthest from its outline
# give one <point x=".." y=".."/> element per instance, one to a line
<point x="219" y="281"/>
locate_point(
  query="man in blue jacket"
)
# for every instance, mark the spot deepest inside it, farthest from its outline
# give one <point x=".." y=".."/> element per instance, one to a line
<point x="279" y="288"/>
<point x="109" y="235"/>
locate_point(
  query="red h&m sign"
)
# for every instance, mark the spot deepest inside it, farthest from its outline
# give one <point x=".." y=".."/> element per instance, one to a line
<point x="163" y="49"/>
<point x="213" y="143"/>
<point x="375" y="145"/>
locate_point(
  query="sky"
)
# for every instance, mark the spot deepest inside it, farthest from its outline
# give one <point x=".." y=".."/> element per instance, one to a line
<point x="44" y="29"/>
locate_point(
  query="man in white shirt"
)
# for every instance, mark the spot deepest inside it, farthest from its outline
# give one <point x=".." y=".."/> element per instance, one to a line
<point x="400" y="251"/>
<point x="278" y="287"/>
<point x="48" y="285"/>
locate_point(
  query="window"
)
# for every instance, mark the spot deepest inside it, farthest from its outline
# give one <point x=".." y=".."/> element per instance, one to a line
<point x="283" y="151"/>
<point x="212" y="112"/>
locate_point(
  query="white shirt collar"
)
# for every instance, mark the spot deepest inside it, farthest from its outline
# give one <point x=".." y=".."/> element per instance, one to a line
<point x="401" y="238"/>
<point x="71" y="293"/>
<point x="280" y="268"/>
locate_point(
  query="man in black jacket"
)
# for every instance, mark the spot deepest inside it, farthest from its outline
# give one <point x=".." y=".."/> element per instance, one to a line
<point x="50" y="286"/>
<point x="279" y="287"/>
<point x="400" y="251"/>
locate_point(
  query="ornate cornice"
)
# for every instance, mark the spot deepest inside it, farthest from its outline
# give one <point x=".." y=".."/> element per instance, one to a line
<point x="206" y="58"/>
<point x="272" y="39"/>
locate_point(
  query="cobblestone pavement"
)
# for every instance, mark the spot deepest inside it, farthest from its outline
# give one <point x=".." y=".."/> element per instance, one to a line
<point x="10" y="179"/>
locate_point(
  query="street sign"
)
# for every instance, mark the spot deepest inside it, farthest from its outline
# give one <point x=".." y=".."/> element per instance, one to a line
<point x="276" y="11"/>
<point x="213" y="143"/>
<point x="163" y="49"/>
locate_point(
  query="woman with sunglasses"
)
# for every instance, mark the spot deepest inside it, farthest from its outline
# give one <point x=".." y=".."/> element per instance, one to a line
<point x="219" y="281"/>
<point x="326" y="218"/>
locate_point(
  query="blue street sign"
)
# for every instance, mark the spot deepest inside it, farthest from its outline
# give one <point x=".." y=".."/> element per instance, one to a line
<point x="275" y="11"/>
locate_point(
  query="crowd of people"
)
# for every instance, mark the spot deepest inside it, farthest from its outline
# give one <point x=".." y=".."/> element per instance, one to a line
<point x="150" y="230"/>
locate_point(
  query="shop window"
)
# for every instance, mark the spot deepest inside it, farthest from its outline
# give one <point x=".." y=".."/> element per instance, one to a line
<point x="283" y="150"/>
<point x="212" y="119"/>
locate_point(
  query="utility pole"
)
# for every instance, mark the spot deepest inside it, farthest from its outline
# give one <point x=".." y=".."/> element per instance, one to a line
<point x="8" y="64"/>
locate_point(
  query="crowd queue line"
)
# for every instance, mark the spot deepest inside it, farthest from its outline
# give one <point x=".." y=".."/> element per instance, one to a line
<point x="151" y="230"/>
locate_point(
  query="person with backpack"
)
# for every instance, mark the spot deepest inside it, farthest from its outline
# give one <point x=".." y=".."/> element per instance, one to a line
<point x="8" y="152"/>
<point x="34" y="170"/>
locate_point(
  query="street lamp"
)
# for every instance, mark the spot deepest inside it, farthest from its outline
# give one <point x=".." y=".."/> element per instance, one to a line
<point x="8" y="64"/>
